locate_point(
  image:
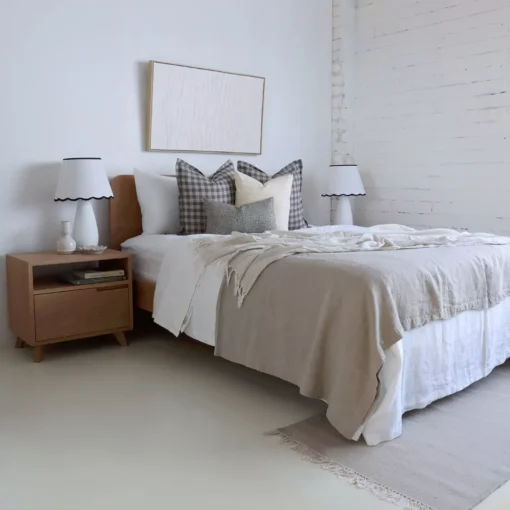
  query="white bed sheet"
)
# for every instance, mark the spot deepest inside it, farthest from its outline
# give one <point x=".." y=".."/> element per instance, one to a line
<point x="429" y="363"/>
<point x="147" y="254"/>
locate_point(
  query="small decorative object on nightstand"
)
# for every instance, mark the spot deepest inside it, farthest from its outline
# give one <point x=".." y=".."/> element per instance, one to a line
<point x="344" y="181"/>
<point x="83" y="180"/>
<point x="65" y="244"/>
<point x="45" y="308"/>
<point x="92" y="250"/>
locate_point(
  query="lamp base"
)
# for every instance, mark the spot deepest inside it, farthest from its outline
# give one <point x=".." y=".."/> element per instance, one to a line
<point x="343" y="213"/>
<point x="85" y="231"/>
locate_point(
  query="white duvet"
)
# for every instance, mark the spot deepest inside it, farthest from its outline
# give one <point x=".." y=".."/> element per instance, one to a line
<point x="429" y="363"/>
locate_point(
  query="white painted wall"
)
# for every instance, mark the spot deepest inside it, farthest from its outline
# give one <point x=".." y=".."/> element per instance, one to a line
<point x="73" y="83"/>
<point x="430" y="112"/>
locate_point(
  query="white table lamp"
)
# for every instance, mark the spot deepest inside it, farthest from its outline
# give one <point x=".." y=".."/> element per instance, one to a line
<point x="344" y="181"/>
<point x="83" y="180"/>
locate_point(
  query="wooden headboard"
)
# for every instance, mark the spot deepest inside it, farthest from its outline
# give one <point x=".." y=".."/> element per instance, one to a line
<point x="125" y="214"/>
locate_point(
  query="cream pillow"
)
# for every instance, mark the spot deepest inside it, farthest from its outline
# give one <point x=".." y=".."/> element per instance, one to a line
<point x="249" y="190"/>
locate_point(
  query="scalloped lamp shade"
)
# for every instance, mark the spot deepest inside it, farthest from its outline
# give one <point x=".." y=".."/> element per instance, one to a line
<point x="83" y="179"/>
<point x="344" y="180"/>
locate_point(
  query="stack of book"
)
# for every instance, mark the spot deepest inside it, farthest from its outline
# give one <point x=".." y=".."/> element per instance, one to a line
<point x="89" y="277"/>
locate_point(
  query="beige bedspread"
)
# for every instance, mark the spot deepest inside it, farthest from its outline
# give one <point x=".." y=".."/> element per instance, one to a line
<point x="323" y="320"/>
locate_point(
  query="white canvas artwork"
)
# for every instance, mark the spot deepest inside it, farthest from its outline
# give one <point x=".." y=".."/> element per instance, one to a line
<point x="200" y="110"/>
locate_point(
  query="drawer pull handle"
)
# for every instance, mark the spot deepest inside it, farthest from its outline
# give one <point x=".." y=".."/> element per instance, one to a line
<point x="117" y="287"/>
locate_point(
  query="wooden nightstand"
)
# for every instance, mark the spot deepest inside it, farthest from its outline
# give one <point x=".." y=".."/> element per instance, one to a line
<point x="43" y="309"/>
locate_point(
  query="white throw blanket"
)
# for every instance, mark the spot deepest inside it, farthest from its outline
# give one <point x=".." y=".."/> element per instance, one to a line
<point x="245" y="256"/>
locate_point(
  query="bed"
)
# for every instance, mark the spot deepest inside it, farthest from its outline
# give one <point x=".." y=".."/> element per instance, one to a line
<point x="429" y="363"/>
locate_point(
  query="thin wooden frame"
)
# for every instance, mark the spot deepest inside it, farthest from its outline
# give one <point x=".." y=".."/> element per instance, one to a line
<point x="150" y="102"/>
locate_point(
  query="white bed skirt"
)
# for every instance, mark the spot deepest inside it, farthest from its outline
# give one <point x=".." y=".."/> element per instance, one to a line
<point x="435" y="361"/>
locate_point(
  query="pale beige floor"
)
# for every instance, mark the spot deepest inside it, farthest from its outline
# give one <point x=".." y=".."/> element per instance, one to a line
<point x="159" y="425"/>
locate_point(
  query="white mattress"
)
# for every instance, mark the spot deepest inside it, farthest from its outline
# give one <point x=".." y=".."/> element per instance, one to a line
<point x="429" y="363"/>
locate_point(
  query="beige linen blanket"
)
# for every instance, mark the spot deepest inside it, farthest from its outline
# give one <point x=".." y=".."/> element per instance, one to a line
<point x="323" y="318"/>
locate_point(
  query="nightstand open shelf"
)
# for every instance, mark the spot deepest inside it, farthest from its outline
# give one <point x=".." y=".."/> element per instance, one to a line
<point x="44" y="309"/>
<point x="48" y="285"/>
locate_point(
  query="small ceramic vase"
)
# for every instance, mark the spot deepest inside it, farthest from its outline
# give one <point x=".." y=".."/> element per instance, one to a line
<point x="65" y="244"/>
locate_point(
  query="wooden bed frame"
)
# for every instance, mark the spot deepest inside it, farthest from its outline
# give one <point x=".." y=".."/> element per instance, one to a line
<point x="125" y="223"/>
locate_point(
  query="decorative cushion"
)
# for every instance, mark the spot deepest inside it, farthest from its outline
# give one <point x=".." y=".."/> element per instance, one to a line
<point x="250" y="218"/>
<point x="296" y="219"/>
<point x="194" y="186"/>
<point x="158" y="197"/>
<point x="249" y="190"/>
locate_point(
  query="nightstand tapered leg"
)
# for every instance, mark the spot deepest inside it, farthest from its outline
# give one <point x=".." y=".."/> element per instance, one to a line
<point x="19" y="343"/>
<point x="38" y="353"/>
<point x="121" y="339"/>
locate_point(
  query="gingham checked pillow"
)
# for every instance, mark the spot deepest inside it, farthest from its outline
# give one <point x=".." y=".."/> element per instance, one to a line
<point x="296" y="219"/>
<point x="194" y="186"/>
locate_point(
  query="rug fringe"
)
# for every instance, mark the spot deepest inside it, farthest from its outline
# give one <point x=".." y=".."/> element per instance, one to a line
<point x="354" y="478"/>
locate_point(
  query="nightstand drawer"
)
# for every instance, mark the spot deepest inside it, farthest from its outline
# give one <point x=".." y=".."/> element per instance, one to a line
<point x="81" y="312"/>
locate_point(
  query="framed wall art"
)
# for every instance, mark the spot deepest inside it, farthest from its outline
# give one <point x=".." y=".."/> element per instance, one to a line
<point x="202" y="110"/>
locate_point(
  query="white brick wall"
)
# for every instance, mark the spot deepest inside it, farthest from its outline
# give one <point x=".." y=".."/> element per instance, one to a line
<point x="426" y="110"/>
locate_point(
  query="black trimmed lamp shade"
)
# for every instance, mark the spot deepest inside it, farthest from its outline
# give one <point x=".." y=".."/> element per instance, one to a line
<point x="82" y="179"/>
<point x="344" y="180"/>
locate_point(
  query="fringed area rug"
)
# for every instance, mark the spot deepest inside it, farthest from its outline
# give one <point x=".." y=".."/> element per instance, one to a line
<point x="451" y="456"/>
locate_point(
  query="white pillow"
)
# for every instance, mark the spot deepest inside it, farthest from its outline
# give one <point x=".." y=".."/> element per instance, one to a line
<point x="249" y="190"/>
<point x="158" y="196"/>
